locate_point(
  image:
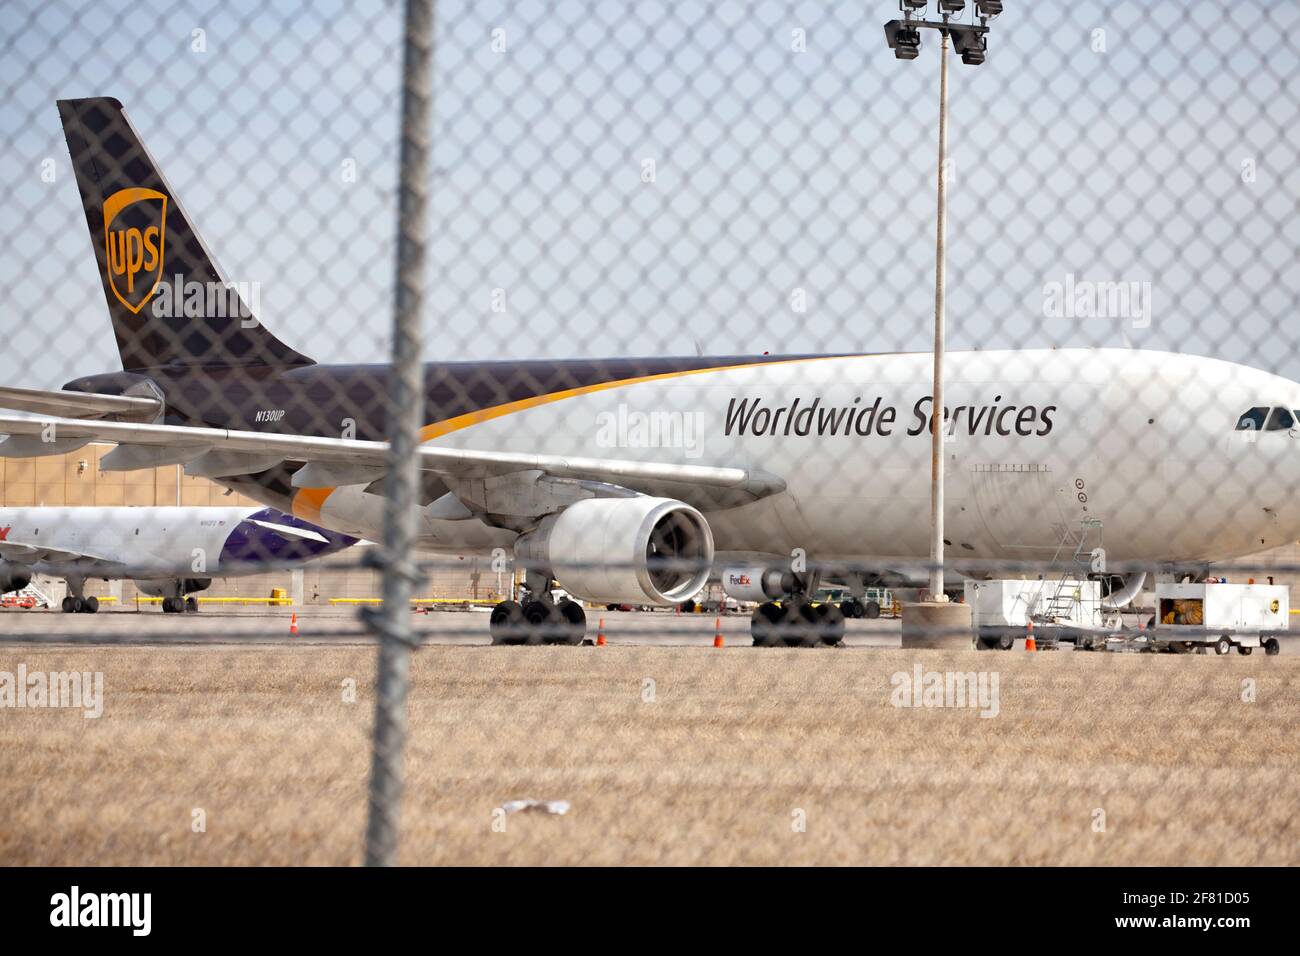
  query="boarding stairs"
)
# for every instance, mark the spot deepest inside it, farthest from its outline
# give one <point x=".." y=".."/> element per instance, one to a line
<point x="1063" y="603"/>
<point x="30" y="596"/>
<point x="1058" y="603"/>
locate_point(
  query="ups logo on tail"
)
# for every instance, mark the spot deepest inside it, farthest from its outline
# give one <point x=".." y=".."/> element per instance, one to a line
<point x="135" y="225"/>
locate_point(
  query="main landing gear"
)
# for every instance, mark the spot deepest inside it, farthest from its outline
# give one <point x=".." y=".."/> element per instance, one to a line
<point x="80" y="605"/>
<point x="796" y="622"/>
<point x="77" y="602"/>
<point x="539" y="618"/>
<point x="180" y="605"/>
<point x="852" y="607"/>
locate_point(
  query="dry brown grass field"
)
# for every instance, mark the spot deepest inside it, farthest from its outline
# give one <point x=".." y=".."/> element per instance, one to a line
<point x="716" y="762"/>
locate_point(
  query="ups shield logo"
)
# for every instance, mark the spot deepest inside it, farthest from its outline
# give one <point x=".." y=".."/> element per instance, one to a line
<point x="135" y="225"/>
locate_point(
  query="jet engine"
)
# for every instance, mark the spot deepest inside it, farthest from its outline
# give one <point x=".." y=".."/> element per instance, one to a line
<point x="636" y="550"/>
<point x="13" y="577"/>
<point x="757" y="583"/>
<point x="171" y="587"/>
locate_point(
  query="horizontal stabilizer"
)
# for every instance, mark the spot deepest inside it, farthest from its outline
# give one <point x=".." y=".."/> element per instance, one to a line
<point x="68" y="404"/>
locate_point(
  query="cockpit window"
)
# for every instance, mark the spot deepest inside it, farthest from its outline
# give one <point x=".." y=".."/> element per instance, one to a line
<point x="1263" y="418"/>
<point x="1253" y="420"/>
<point x="1279" y="421"/>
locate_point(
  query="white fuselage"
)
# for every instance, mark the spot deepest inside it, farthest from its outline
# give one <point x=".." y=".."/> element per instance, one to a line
<point x="117" y="542"/>
<point x="1139" y="447"/>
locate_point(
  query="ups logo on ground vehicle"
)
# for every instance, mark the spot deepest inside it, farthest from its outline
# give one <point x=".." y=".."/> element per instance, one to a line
<point x="135" y="226"/>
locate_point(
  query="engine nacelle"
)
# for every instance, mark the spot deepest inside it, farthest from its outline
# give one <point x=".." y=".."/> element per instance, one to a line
<point x="13" y="577"/>
<point x="171" y="587"/>
<point x="756" y="583"/>
<point x="637" y="550"/>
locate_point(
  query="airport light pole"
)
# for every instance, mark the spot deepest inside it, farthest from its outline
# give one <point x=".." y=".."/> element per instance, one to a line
<point x="970" y="40"/>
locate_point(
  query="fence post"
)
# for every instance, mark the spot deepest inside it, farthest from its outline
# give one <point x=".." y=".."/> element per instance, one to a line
<point x="392" y="622"/>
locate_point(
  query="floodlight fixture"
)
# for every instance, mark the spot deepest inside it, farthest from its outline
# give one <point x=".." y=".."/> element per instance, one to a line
<point x="903" y="39"/>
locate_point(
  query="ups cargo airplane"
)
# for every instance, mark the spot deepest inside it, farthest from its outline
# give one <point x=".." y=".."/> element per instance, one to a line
<point x="170" y="553"/>
<point x="629" y="480"/>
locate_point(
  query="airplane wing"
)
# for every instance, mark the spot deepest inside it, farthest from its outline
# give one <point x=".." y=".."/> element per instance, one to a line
<point x="691" y="483"/>
<point x="20" y="553"/>
<point x="78" y="404"/>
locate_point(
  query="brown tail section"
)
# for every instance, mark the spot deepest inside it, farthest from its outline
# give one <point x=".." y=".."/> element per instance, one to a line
<point x="169" y="302"/>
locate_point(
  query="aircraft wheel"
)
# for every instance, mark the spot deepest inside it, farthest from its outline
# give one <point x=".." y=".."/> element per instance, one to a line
<point x="1271" y="647"/>
<point x="506" y="625"/>
<point x="1006" y="642"/>
<point x="541" y="619"/>
<point x="1244" y="651"/>
<point x="90" y="605"/>
<point x="191" y="605"/>
<point x="69" y="605"/>
<point x="830" y="624"/>
<point x="575" y="622"/>
<point x="764" y="625"/>
<point x="1222" y="646"/>
<point x="799" y="624"/>
<point x="872" y="610"/>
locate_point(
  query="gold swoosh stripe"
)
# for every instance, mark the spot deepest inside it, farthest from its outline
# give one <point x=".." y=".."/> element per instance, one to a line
<point x="313" y="499"/>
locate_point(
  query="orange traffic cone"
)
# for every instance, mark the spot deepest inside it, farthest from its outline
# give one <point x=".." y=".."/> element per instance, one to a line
<point x="1030" y="643"/>
<point x="293" y="623"/>
<point x="717" y="632"/>
<point x="600" y="633"/>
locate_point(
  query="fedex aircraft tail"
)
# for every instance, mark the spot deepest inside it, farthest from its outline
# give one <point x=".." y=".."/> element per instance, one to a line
<point x="169" y="302"/>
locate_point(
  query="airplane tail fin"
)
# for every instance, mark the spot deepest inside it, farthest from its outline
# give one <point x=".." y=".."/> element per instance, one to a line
<point x="169" y="302"/>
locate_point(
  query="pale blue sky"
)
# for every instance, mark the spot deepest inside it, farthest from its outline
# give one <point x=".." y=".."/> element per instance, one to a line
<point x="775" y="170"/>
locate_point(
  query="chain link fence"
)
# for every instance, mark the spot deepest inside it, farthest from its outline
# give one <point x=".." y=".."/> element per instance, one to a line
<point x="672" y="271"/>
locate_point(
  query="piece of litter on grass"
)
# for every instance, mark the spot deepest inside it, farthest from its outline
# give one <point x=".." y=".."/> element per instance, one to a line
<point x="559" y="807"/>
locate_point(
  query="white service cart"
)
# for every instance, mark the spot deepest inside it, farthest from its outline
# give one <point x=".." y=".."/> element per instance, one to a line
<point x="1061" y="609"/>
<point x="1220" y="615"/>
